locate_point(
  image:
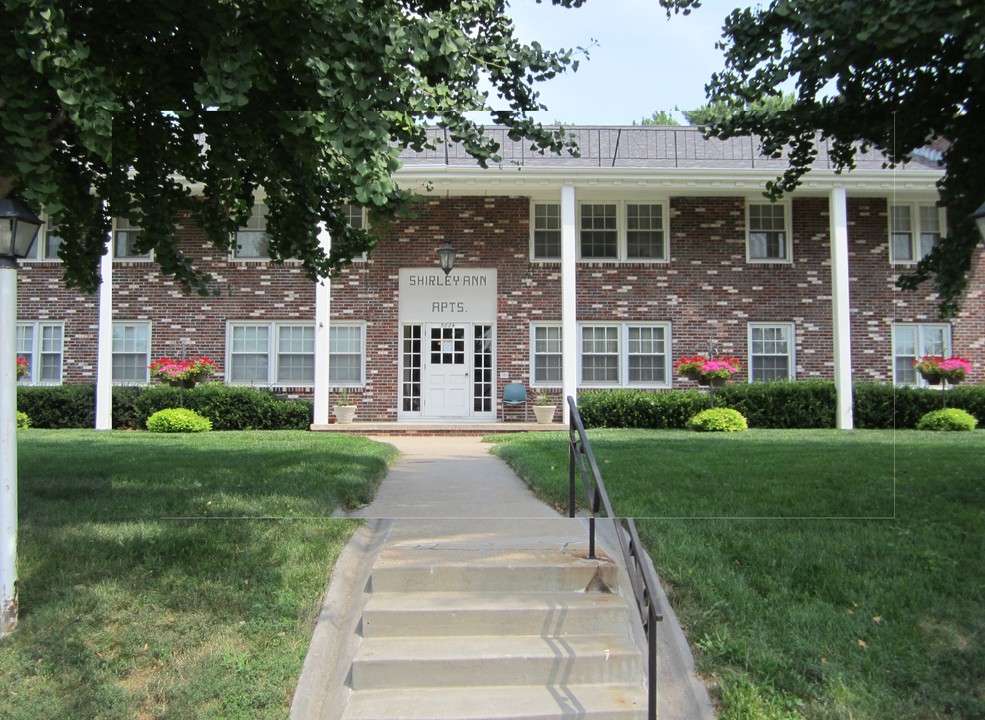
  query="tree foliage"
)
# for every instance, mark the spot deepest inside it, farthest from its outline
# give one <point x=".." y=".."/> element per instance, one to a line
<point x="893" y="75"/>
<point x="154" y="111"/>
<point x="659" y="117"/>
<point x="710" y="113"/>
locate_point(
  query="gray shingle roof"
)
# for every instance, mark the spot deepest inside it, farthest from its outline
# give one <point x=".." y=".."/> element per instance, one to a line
<point x="655" y="147"/>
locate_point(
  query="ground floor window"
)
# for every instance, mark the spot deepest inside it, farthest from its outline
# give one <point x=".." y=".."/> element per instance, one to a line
<point x="547" y="354"/>
<point x="411" y="385"/>
<point x="913" y="341"/>
<point x="131" y="352"/>
<point x="39" y="344"/>
<point x="283" y="353"/>
<point x="482" y="368"/>
<point x="626" y="354"/>
<point x="771" y="349"/>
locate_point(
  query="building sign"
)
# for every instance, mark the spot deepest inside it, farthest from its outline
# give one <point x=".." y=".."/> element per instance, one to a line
<point x="466" y="295"/>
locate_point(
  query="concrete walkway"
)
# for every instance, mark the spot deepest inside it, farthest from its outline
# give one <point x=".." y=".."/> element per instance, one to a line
<point x="448" y="496"/>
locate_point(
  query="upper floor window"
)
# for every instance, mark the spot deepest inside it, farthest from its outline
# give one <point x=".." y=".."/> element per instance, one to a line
<point x="547" y="231"/>
<point x="768" y="236"/>
<point x="599" y="232"/>
<point x="914" y="230"/>
<point x="131" y="352"/>
<point x="912" y="341"/>
<point x="46" y="244"/>
<point x="40" y="345"/>
<point x="251" y="240"/>
<point x="771" y="355"/>
<point x="125" y="236"/>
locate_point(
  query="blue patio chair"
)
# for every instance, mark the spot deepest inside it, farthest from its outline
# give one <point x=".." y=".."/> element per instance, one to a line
<point x="515" y="394"/>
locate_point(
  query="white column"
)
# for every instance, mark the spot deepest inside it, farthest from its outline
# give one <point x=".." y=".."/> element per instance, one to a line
<point x="323" y="300"/>
<point x="104" y="344"/>
<point x="569" y="311"/>
<point x="8" y="448"/>
<point x="841" y="317"/>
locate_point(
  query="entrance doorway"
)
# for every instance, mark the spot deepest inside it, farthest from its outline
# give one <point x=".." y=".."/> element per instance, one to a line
<point x="452" y="364"/>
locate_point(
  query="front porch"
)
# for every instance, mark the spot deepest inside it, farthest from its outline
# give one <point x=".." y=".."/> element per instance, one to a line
<point x="439" y="429"/>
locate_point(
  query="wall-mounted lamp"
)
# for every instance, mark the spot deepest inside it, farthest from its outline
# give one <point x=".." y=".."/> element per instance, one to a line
<point x="446" y="256"/>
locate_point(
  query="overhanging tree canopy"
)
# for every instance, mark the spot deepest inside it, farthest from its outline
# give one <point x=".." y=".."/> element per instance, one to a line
<point x="140" y="104"/>
<point x="893" y="75"/>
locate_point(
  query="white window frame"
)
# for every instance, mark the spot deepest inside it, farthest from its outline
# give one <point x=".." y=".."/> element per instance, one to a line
<point x="622" y="230"/>
<point x="37" y="352"/>
<point x="334" y="353"/>
<point x="923" y="345"/>
<point x="147" y="353"/>
<point x="790" y="355"/>
<point x="535" y="229"/>
<point x="918" y="213"/>
<point x="352" y="213"/>
<point x="41" y="250"/>
<point x="537" y="349"/>
<point x="123" y="225"/>
<point x="256" y="224"/>
<point x="273" y="354"/>
<point x="787" y="235"/>
<point x="623" y="353"/>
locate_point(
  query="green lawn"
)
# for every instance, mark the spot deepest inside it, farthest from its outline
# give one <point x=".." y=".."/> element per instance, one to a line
<point x="174" y="576"/>
<point x="817" y="574"/>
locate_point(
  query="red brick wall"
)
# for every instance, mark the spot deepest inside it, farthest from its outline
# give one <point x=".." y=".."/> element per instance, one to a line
<point x="707" y="291"/>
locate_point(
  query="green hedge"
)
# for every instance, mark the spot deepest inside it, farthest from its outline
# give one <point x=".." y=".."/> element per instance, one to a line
<point x="801" y="404"/>
<point x="228" y="407"/>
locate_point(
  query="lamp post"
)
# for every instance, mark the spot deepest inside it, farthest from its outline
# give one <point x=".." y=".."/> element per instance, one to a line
<point x="446" y="256"/>
<point x="18" y="228"/>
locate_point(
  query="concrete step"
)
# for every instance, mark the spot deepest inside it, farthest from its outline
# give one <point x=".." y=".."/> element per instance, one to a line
<point x="530" y="571"/>
<point x="547" y="614"/>
<point x="407" y="662"/>
<point x="523" y="702"/>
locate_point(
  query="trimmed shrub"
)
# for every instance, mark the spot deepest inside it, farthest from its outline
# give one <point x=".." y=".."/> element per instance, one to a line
<point x="718" y="420"/>
<point x="23" y="421"/>
<point x="58" y="406"/>
<point x="947" y="419"/>
<point x="178" y="420"/>
<point x="640" y="408"/>
<point x="782" y="404"/>
<point x="228" y="407"/>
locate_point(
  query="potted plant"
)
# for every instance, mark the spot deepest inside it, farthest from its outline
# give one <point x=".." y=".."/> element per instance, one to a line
<point x="23" y="368"/>
<point x="708" y="371"/>
<point x="183" y="373"/>
<point x="544" y="407"/>
<point x="344" y="408"/>
<point x="935" y="369"/>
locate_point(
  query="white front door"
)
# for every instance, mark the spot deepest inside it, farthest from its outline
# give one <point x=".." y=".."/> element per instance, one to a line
<point x="448" y="371"/>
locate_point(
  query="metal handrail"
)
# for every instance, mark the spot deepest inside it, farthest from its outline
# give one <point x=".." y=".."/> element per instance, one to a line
<point x="641" y="577"/>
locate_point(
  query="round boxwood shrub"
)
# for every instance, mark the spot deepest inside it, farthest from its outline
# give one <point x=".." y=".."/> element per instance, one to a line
<point x="718" y="420"/>
<point x="178" y="420"/>
<point x="947" y="419"/>
<point x="23" y="421"/>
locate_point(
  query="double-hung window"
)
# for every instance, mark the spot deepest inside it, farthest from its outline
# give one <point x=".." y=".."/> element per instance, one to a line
<point x="125" y="236"/>
<point x="251" y="240"/>
<point x="624" y="355"/>
<point x="547" y="355"/>
<point x="911" y="341"/>
<point x="914" y="230"/>
<point x="768" y="235"/>
<point x="46" y="244"/>
<point x="131" y="352"/>
<point x="546" y="224"/>
<point x="40" y="345"/>
<point x="623" y="231"/>
<point x="771" y="352"/>
<point x="283" y="353"/>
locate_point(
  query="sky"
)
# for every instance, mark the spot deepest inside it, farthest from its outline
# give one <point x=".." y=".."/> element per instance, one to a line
<point x="640" y="61"/>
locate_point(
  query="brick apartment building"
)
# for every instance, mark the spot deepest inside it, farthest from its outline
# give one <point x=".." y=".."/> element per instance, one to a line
<point x="570" y="273"/>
